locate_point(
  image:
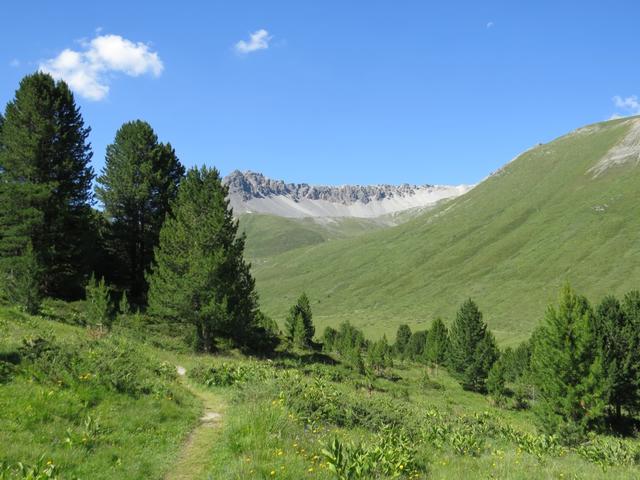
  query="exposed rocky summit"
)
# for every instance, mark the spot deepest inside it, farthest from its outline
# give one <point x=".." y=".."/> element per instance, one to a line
<point x="253" y="192"/>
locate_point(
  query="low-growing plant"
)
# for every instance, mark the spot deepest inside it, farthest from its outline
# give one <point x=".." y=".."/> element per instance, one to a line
<point x="390" y="455"/>
<point x="41" y="470"/>
<point x="466" y="441"/>
<point x="226" y="373"/>
<point x="609" y="452"/>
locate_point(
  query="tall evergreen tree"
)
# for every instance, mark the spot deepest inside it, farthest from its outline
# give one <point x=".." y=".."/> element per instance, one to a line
<point x="403" y="336"/>
<point x="200" y="275"/>
<point x="379" y="355"/>
<point x="473" y="349"/>
<point x="415" y="348"/>
<point x="631" y="310"/>
<point x="566" y="368"/>
<point x="45" y="184"/>
<point x="299" y="322"/>
<point x="613" y="338"/>
<point x="438" y="344"/>
<point x="137" y="185"/>
<point x="329" y="338"/>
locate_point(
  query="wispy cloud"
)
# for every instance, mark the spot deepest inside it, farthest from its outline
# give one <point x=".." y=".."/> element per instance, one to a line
<point x="89" y="71"/>
<point x="490" y="24"/>
<point x="626" y="106"/>
<point x="258" y="40"/>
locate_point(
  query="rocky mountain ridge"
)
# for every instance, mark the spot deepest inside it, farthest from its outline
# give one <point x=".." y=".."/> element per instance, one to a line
<point x="254" y="192"/>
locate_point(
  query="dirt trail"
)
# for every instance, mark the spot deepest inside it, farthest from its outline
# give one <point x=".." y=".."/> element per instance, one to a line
<point x="196" y="453"/>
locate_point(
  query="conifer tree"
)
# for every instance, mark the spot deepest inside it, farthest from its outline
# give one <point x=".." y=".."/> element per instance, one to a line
<point x="472" y="348"/>
<point x="416" y="346"/>
<point x="200" y="275"/>
<point x="618" y="341"/>
<point x="21" y="282"/>
<point x="98" y="302"/>
<point x="631" y="309"/>
<point x="379" y="355"/>
<point x="566" y="368"/>
<point x="438" y="344"/>
<point x="496" y="379"/>
<point x="329" y="338"/>
<point x="403" y="336"/>
<point x="477" y="372"/>
<point x="137" y="185"/>
<point x="299" y="322"/>
<point x="45" y="184"/>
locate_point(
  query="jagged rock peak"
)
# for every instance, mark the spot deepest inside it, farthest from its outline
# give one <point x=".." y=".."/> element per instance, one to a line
<point x="249" y="185"/>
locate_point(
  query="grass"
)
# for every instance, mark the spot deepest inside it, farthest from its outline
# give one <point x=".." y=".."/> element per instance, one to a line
<point x="80" y="424"/>
<point x="509" y="243"/>
<point x="269" y="235"/>
<point x="280" y="417"/>
<point x="196" y="457"/>
<point x="265" y="437"/>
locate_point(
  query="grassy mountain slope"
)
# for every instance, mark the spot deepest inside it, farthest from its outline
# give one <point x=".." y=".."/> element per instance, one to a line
<point x="269" y="235"/>
<point x="509" y="243"/>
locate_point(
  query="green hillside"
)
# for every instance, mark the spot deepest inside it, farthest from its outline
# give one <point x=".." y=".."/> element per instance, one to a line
<point x="509" y="243"/>
<point x="269" y="235"/>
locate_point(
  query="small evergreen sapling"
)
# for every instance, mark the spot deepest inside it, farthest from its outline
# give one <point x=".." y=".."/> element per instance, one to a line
<point x="98" y="298"/>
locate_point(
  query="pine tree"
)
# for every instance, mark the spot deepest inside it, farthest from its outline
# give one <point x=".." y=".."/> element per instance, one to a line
<point x="124" y="307"/>
<point x="379" y="355"/>
<point x="200" y="276"/>
<point x="611" y="330"/>
<point x="329" y="338"/>
<point x="299" y="322"/>
<point x="403" y="336"/>
<point x="45" y="184"/>
<point x="566" y="369"/>
<point x="98" y="302"/>
<point x="473" y="349"/>
<point x="21" y="281"/>
<point x="438" y="344"/>
<point x="416" y="346"/>
<point x="631" y="309"/>
<point x="137" y="185"/>
<point x="477" y="372"/>
<point x="496" y="380"/>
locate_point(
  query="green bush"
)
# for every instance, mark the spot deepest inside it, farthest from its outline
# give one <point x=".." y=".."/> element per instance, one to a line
<point x="390" y="455"/>
<point x="609" y="452"/>
<point x="111" y="362"/>
<point x="6" y="371"/>
<point x="226" y="374"/>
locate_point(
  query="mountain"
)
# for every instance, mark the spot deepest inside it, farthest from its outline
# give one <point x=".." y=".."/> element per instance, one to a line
<point x="251" y="192"/>
<point x="568" y="210"/>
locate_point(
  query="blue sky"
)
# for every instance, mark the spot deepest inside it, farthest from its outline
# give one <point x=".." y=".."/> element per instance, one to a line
<point x="335" y="92"/>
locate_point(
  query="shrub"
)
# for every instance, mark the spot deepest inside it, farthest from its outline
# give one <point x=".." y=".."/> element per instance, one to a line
<point x="226" y="373"/>
<point x="110" y="362"/>
<point x="6" y="371"/>
<point x="390" y="455"/>
<point x="609" y="453"/>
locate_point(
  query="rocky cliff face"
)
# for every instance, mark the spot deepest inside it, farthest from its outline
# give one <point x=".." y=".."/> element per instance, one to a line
<point x="253" y="192"/>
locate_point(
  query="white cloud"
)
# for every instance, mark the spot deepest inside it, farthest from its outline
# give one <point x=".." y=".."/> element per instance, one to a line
<point x="628" y="103"/>
<point x="490" y="25"/>
<point x="258" y="40"/>
<point x="88" y="71"/>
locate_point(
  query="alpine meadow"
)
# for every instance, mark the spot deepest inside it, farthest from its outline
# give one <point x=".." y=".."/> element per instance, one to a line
<point x="169" y="312"/>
